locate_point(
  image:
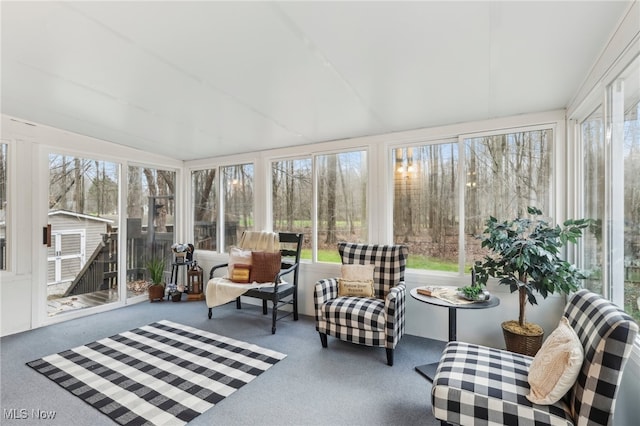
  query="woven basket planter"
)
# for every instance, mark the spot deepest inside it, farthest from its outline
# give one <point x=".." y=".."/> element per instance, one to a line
<point x="522" y="344"/>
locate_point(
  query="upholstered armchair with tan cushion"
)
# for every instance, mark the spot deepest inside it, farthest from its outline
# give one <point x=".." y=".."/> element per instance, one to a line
<point x="377" y="320"/>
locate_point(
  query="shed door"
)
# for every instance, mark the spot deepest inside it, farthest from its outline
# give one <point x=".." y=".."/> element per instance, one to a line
<point x="66" y="256"/>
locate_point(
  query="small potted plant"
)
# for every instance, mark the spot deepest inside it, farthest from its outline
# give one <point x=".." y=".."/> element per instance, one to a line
<point x="156" y="274"/>
<point x="525" y="255"/>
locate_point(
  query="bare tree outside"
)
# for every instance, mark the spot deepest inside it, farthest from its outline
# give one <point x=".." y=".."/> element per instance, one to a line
<point x="342" y="201"/>
<point x="425" y="216"/>
<point x="237" y="198"/>
<point x="203" y="194"/>
<point x="503" y="175"/>
<point x="292" y="198"/>
<point x="150" y="222"/>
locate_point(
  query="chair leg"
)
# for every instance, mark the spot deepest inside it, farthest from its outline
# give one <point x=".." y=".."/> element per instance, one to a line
<point x="274" y="313"/>
<point x="389" y="357"/>
<point x="264" y="307"/>
<point x="238" y="303"/>
<point x="295" y="305"/>
<point x="210" y="313"/>
<point x="323" y="339"/>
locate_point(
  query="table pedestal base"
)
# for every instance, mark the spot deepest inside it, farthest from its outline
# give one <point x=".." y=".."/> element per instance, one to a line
<point x="428" y="370"/>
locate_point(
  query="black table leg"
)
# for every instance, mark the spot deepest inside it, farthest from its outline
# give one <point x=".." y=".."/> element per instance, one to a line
<point x="429" y="370"/>
<point x="452" y="324"/>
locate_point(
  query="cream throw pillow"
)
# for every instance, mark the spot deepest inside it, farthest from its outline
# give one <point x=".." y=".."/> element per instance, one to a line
<point x="239" y="256"/>
<point x="355" y="288"/>
<point x="356" y="272"/>
<point x="556" y="366"/>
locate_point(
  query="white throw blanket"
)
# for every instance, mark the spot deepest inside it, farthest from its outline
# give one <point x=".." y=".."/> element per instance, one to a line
<point x="221" y="290"/>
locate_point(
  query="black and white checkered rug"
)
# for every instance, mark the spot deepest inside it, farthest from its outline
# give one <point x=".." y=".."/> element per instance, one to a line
<point x="161" y="374"/>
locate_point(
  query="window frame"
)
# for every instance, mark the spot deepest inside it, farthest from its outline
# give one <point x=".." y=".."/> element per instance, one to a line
<point x="10" y="212"/>
<point x="598" y="98"/>
<point x="511" y="125"/>
<point x="212" y="164"/>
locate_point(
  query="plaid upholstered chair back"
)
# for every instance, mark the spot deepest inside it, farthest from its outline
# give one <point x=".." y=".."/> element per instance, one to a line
<point x="389" y="261"/>
<point x="607" y="334"/>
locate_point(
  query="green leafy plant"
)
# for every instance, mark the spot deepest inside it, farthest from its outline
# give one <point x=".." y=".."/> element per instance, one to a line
<point x="471" y="291"/>
<point x="526" y="256"/>
<point x="156" y="271"/>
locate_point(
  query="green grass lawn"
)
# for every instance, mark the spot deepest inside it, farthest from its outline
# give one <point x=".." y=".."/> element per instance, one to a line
<point x="414" y="261"/>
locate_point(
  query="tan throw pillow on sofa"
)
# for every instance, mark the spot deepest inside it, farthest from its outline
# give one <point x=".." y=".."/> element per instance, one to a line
<point x="556" y="366"/>
<point x="355" y="288"/>
<point x="264" y="266"/>
<point x="356" y="272"/>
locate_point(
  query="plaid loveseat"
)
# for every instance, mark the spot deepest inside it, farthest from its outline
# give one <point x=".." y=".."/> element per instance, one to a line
<point x="371" y="321"/>
<point x="485" y="386"/>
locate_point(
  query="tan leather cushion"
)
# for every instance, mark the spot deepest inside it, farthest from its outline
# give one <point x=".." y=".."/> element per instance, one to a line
<point x="264" y="266"/>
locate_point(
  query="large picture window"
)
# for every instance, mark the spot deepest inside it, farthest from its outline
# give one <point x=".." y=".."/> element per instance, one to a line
<point x="150" y="222"/>
<point x="502" y="174"/>
<point x="292" y="198"/>
<point x="342" y="201"/>
<point x="425" y="209"/>
<point x="82" y="268"/>
<point x="205" y="209"/>
<point x="237" y="193"/>
<point x="611" y="193"/>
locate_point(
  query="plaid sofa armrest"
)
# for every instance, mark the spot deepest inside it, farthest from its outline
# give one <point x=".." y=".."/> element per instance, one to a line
<point x="394" y="307"/>
<point x="324" y="290"/>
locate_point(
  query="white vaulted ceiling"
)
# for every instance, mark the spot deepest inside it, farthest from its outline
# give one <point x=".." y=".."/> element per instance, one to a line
<point x="217" y="78"/>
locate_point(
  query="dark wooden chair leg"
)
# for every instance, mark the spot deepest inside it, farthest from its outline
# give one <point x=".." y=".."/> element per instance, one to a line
<point x="210" y="312"/>
<point x="389" y="357"/>
<point x="264" y="307"/>
<point x="274" y="313"/>
<point x="238" y="303"/>
<point x="323" y="339"/>
<point x="295" y="305"/>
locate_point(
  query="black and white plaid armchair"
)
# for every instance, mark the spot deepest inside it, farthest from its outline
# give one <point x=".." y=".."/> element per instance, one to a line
<point x="480" y="385"/>
<point x="371" y="321"/>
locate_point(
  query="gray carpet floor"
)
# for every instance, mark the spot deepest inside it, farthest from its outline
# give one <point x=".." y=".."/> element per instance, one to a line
<point x="345" y="384"/>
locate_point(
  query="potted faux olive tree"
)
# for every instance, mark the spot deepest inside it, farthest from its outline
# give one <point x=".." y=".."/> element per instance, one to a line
<point x="156" y="274"/>
<point x="525" y="255"/>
